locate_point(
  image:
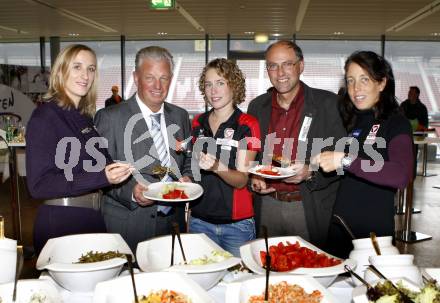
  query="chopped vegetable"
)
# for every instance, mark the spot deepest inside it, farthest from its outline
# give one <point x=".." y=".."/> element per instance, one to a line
<point x="164" y="296"/>
<point x="215" y="257"/>
<point x="286" y="293"/>
<point x="91" y="256"/>
<point x="171" y="191"/>
<point x="269" y="170"/>
<point x="291" y="256"/>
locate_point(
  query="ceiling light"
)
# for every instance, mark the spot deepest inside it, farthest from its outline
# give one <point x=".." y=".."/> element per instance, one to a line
<point x="261" y="38"/>
<point x="18" y="31"/>
<point x="249" y="33"/>
<point x="417" y="16"/>
<point x="162" y="33"/>
<point x="338" y="33"/>
<point x="73" y="34"/>
<point x="435" y="34"/>
<point x="276" y="35"/>
<point x="188" y="17"/>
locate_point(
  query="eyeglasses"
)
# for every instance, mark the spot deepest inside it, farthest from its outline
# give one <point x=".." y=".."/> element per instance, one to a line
<point x="286" y="65"/>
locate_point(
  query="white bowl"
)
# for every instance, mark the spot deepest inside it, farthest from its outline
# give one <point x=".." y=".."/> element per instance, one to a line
<point x="360" y="292"/>
<point x="363" y="249"/>
<point x="120" y="290"/>
<point x="155" y="255"/>
<point x="394" y="267"/>
<point x="8" y="258"/>
<point x="28" y="288"/>
<point x="250" y="254"/>
<point x="238" y="292"/>
<point x="60" y="254"/>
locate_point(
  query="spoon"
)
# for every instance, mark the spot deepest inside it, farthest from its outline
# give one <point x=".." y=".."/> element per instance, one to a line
<point x="372" y="293"/>
<point x="268" y="261"/>
<point x="345" y="225"/>
<point x="177" y="232"/>
<point x="130" y="269"/>
<point x="374" y="242"/>
<point x="405" y="297"/>
<point x="18" y="268"/>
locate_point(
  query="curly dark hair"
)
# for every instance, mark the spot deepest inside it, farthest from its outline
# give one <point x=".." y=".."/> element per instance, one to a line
<point x="378" y="69"/>
<point x="232" y="74"/>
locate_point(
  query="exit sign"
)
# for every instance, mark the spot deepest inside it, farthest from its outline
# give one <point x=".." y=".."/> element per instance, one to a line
<point x="162" y="4"/>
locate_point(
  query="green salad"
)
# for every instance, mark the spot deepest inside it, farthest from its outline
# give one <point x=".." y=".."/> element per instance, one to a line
<point x="215" y="257"/>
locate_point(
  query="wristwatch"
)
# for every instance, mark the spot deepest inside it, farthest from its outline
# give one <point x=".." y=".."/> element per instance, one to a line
<point x="346" y="161"/>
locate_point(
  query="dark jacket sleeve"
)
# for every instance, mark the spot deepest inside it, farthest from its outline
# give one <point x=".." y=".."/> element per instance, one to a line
<point x="106" y="122"/>
<point x="44" y="179"/>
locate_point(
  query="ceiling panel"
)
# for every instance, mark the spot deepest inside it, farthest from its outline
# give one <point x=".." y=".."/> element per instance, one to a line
<point x="30" y="19"/>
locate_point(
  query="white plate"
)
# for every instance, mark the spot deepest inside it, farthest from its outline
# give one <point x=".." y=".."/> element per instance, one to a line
<point x="360" y="292"/>
<point x="27" y="288"/>
<point x="237" y="292"/>
<point x="285" y="172"/>
<point x="192" y="190"/>
<point x="250" y="254"/>
<point x="120" y="290"/>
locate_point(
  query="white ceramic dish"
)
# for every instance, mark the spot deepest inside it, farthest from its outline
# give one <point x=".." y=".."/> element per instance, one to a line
<point x="237" y="292"/>
<point x="155" y="255"/>
<point x="395" y="266"/>
<point x="8" y="258"/>
<point x="26" y="289"/>
<point x="360" y="292"/>
<point x="250" y="254"/>
<point x="192" y="190"/>
<point x="120" y="290"/>
<point x="285" y="172"/>
<point x="59" y="255"/>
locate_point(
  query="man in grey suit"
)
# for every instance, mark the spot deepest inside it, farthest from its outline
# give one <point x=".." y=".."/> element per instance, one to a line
<point x="132" y="129"/>
<point x="302" y="204"/>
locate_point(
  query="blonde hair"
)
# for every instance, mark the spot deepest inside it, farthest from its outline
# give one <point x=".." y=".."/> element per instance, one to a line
<point x="58" y="77"/>
<point x="232" y="74"/>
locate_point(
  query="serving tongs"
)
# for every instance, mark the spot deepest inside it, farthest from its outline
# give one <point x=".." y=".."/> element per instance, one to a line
<point x="176" y="232"/>
<point x="268" y="261"/>
<point x="372" y="293"/>
<point x="404" y="296"/>
<point x="18" y="268"/>
<point x="130" y="269"/>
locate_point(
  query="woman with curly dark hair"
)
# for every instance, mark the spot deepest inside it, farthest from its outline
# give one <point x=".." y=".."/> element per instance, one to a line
<point x="225" y="211"/>
<point x="384" y="159"/>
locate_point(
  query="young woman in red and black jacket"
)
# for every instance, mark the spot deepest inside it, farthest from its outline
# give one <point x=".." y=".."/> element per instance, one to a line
<point x="225" y="211"/>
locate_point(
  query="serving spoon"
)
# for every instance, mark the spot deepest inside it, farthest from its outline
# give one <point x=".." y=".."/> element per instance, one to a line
<point x="345" y="225"/>
<point x="374" y="242"/>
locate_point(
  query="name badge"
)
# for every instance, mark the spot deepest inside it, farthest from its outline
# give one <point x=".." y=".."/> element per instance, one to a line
<point x="371" y="138"/>
<point x="86" y="130"/>
<point x="305" y="128"/>
<point x="227" y="142"/>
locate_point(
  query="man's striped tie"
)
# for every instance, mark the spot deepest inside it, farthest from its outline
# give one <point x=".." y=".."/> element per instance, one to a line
<point x="161" y="148"/>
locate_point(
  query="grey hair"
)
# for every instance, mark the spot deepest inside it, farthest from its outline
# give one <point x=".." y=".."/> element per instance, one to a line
<point x="155" y="53"/>
<point x="289" y="44"/>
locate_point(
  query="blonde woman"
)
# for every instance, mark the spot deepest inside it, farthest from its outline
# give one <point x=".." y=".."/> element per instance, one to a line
<point x="65" y="156"/>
